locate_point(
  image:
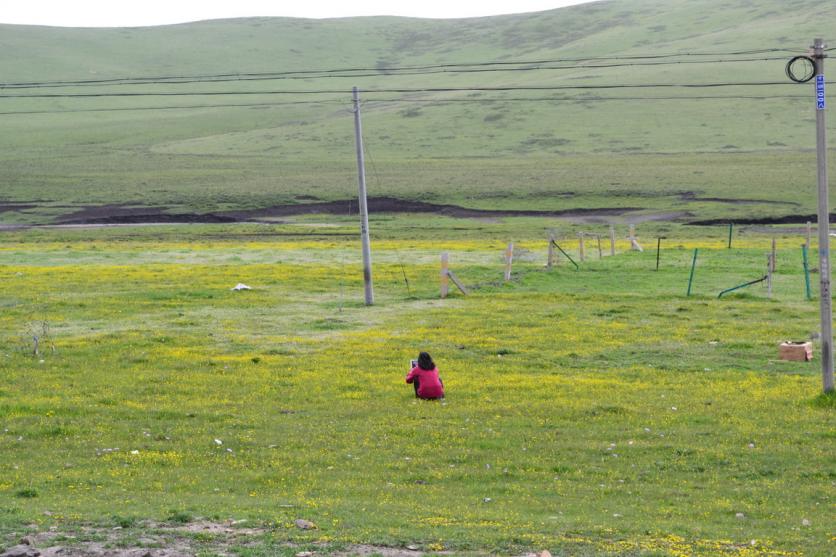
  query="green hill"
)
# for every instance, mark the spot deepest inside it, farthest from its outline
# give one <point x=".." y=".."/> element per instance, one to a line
<point x="553" y="149"/>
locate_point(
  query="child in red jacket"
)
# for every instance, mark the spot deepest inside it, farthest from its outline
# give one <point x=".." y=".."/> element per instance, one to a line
<point x="424" y="377"/>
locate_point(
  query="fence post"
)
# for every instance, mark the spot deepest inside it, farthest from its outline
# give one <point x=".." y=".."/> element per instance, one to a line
<point x="612" y="239"/>
<point x="600" y="255"/>
<point x="550" y="263"/>
<point x="509" y="258"/>
<point x="770" y="265"/>
<point x="580" y="246"/>
<point x="693" y="266"/>
<point x="772" y="257"/>
<point x="658" y="250"/>
<point x="806" y="272"/>
<point x="634" y="243"/>
<point x="445" y="275"/>
<point x="809" y="233"/>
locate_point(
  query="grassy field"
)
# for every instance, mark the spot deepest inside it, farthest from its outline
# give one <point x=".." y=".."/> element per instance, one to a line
<point x="591" y="412"/>
<point x="597" y="411"/>
<point x="567" y="148"/>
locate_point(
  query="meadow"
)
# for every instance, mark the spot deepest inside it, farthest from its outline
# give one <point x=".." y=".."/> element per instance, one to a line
<point x="597" y="411"/>
<point x="590" y="411"/>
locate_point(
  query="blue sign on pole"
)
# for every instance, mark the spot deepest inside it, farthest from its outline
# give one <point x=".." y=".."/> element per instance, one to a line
<point x="819" y="92"/>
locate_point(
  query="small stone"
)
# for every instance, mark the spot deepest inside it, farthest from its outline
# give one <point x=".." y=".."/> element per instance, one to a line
<point x="545" y="553"/>
<point x="740" y="516"/>
<point x="305" y="554"/>
<point x="303" y="524"/>
<point x="218" y="442"/>
<point x="751" y="445"/>
<point x="26" y="540"/>
<point x="412" y="547"/>
<point x="805" y="522"/>
<point x="487" y="500"/>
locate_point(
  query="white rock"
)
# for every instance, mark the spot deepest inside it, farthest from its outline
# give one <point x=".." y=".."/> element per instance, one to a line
<point x="240" y="286"/>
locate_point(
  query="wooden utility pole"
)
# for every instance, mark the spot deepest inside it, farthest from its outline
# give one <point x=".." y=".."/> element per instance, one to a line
<point x="364" y="210"/>
<point x="826" y="309"/>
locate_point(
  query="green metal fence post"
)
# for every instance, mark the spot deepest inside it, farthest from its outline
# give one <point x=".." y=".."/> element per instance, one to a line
<point x="806" y="272"/>
<point x="693" y="266"/>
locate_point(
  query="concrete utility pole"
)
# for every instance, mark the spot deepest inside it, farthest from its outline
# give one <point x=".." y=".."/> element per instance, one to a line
<point x="826" y="309"/>
<point x="364" y="210"/>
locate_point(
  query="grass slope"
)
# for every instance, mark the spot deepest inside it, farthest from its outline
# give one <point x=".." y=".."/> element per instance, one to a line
<point x="200" y="159"/>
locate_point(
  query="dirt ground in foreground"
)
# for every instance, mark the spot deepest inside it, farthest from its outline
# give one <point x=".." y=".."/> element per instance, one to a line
<point x="202" y="537"/>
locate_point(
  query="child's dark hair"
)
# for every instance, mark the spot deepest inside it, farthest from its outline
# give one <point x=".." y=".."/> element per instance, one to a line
<point x="425" y="361"/>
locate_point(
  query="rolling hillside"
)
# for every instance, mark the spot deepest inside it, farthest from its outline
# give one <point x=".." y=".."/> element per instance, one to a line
<point x="539" y="145"/>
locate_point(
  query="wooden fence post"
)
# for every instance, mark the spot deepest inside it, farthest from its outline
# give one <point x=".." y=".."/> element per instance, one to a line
<point x="612" y="239"/>
<point x="634" y="244"/>
<point x="809" y="233"/>
<point x="770" y="265"/>
<point x="600" y="255"/>
<point x="509" y="258"/>
<point x="550" y="262"/>
<point x="580" y="246"/>
<point x="445" y="275"/>
<point x="772" y="256"/>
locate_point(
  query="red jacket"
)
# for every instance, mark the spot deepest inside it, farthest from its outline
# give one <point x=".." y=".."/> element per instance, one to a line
<point x="429" y="384"/>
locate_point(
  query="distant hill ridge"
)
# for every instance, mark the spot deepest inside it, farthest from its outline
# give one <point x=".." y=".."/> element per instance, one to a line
<point x="255" y="44"/>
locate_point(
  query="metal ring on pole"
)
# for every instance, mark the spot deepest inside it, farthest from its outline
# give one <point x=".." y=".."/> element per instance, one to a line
<point x="801" y="69"/>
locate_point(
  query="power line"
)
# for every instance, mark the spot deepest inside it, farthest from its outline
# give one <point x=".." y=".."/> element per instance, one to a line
<point x="413" y="100"/>
<point x="183" y="107"/>
<point x="387" y="72"/>
<point x="403" y="90"/>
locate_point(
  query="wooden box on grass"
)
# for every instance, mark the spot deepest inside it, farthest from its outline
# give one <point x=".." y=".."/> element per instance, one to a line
<point x="796" y="351"/>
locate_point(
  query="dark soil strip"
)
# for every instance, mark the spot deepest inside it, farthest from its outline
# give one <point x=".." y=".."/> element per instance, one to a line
<point x="120" y="214"/>
<point x="692" y="197"/>
<point x="787" y="219"/>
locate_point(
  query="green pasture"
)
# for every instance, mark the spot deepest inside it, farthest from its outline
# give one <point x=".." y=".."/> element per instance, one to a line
<point x="596" y="411"/>
<point x="746" y="153"/>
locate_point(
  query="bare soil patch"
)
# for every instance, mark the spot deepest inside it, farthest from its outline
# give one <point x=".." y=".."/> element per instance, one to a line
<point x="134" y="214"/>
<point x="786" y="219"/>
<point x="150" y="539"/>
<point x="692" y="197"/>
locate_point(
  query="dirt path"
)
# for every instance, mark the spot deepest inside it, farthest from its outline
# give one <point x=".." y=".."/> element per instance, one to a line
<point x="149" y="539"/>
